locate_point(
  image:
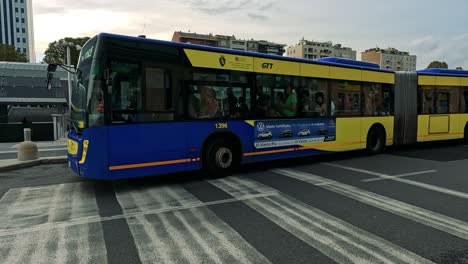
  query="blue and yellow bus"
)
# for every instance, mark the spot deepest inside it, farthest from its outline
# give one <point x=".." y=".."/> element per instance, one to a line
<point x="145" y="107"/>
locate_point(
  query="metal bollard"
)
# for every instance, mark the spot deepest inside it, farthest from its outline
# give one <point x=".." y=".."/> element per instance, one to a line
<point x="27" y="150"/>
<point x="27" y="134"/>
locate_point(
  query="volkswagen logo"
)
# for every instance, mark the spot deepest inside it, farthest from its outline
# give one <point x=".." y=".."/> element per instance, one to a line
<point x="261" y="127"/>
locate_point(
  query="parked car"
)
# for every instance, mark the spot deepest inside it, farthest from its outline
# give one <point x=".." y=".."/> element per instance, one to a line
<point x="304" y="133"/>
<point x="286" y="134"/>
<point x="322" y="132"/>
<point x="265" y="135"/>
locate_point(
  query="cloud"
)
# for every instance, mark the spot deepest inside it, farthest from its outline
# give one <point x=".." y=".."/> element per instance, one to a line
<point x="257" y="16"/>
<point x="336" y="20"/>
<point x="425" y="44"/>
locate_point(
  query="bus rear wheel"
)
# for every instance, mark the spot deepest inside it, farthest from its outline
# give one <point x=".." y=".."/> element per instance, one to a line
<point x="220" y="158"/>
<point x="375" y="140"/>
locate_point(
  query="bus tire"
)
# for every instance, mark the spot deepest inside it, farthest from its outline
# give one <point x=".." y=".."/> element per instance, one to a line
<point x="375" y="140"/>
<point x="220" y="158"/>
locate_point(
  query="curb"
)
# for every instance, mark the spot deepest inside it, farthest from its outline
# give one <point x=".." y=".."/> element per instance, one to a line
<point x="32" y="163"/>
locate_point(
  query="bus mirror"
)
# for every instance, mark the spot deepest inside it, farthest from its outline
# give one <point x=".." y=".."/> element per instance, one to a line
<point x="51" y="67"/>
<point x="50" y="76"/>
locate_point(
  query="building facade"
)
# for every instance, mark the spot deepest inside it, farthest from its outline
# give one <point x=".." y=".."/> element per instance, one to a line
<point x="23" y="92"/>
<point x="391" y="59"/>
<point x="230" y="42"/>
<point x="316" y="50"/>
<point x="17" y="27"/>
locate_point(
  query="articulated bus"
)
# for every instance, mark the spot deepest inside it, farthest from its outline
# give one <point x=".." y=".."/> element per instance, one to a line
<point x="145" y="107"/>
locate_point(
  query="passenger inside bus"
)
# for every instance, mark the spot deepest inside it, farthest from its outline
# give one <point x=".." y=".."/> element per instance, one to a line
<point x="321" y="108"/>
<point x="208" y="103"/>
<point x="289" y="108"/>
<point x="243" y="108"/>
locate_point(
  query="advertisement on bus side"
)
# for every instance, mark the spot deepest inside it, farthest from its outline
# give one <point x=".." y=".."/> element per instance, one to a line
<point x="282" y="133"/>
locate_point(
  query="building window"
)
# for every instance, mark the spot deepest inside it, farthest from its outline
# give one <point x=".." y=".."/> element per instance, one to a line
<point x="16" y="9"/>
<point x="22" y="1"/>
<point x="24" y="40"/>
<point x="17" y="20"/>
<point x="22" y="20"/>
<point x="23" y="30"/>
<point x="17" y="30"/>
<point x="18" y="40"/>
<point x="22" y="10"/>
<point x="24" y="50"/>
<point x="18" y="50"/>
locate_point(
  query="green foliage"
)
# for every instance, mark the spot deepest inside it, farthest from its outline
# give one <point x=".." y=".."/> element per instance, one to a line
<point x="9" y="53"/>
<point x="459" y="68"/>
<point x="58" y="55"/>
<point x="438" y="64"/>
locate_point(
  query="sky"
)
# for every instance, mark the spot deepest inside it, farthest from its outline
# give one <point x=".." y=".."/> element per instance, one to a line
<point x="430" y="29"/>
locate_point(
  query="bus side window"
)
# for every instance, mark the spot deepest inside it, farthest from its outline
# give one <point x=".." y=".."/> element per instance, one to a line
<point x="454" y="101"/>
<point x="346" y="98"/>
<point x="464" y="101"/>
<point x="376" y="99"/>
<point x="426" y="95"/>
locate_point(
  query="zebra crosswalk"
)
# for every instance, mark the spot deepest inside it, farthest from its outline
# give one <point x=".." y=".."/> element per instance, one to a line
<point x="29" y="232"/>
<point x="170" y="224"/>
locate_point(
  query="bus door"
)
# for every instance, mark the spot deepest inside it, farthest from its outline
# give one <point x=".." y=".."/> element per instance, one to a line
<point x="144" y="134"/>
<point x="438" y="121"/>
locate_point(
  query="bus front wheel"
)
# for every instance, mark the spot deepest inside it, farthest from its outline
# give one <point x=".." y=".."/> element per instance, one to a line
<point x="220" y="158"/>
<point x="375" y="140"/>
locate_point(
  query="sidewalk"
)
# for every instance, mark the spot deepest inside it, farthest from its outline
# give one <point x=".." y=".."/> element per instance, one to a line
<point x="14" y="164"/>
<point x="42" y="144"/>
<point x="8" y="151"/>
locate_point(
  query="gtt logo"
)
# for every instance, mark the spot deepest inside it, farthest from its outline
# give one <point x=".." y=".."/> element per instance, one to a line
<point x="267" y="65"/>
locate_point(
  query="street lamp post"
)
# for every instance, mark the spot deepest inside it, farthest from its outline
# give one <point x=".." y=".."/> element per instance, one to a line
<point x="69" y="79"/>
<point x="68" y="45"/>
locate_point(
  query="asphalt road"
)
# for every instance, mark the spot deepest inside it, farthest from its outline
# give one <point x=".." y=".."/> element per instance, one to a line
<point x="404" y="206"/>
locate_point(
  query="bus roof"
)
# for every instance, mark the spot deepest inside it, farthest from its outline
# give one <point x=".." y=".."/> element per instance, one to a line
<point x="443" y="72"/>
<point x="330" y="61"/>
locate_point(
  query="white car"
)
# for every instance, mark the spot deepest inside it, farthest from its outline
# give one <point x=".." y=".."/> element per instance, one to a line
<point x="265" y="135"/>
<point x="304" y="133"/>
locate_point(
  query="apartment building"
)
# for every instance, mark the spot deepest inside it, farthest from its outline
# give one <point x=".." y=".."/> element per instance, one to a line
<point x="391" y="59"/>
<point x="316" y="50"/>
<point x="230" y="42"/>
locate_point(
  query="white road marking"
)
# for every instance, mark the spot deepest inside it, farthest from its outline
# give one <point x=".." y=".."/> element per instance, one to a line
<point x="61" y="245"/>
<point x="406" y="181"/>
<point x="426" y="217"/>
<point x="89" y="220"/>
<point x="399" y="176"/>
<point x="342" y="242"/>
<point x="192" y="235"/>
<point x="39" y="150"/>
<point x="30" y="208"/>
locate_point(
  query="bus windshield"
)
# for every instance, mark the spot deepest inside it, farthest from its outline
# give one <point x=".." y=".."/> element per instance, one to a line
<point x="82" y="85"/>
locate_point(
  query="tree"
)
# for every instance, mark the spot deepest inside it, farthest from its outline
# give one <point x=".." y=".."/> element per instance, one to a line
<point x="58" y="54"/>
<point x="9" y="53"/>
<point x="438" y="64"/>
<point x="459" y="68"/>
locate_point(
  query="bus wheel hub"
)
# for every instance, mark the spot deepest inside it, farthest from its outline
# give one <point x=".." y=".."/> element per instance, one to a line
<point x="224" y="158"/>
